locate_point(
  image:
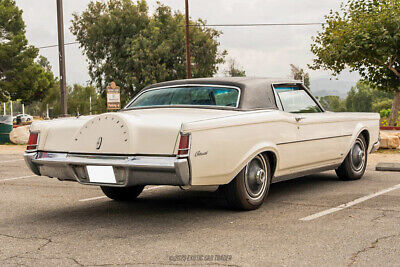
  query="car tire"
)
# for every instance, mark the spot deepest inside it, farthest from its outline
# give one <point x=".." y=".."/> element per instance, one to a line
<point x="122" y="193"/>
<point x="355" y="163"/>
<point x="28" y="119"/>
<point x="250" y="187"/>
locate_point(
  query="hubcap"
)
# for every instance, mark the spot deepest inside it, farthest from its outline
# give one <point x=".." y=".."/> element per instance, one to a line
<point x="255" y="177"/>
<point x="358" y="156"/>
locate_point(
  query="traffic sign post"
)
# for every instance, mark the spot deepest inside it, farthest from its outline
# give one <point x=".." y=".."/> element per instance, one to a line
<point x="113" y="97"/>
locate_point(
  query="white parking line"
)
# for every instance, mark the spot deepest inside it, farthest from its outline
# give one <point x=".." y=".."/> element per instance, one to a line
<point x="8" y="161"/>
<point x="101" y="197"/>
<point x="16" y="178"/>
<point x="349" y="204"/>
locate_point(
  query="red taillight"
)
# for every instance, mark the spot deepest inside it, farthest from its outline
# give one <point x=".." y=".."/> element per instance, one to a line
<point x="33" y="141"/>
<point x="184" y="145"/>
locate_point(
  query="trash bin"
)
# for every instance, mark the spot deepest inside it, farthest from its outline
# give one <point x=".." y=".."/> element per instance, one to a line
<point x="6" y="126"/>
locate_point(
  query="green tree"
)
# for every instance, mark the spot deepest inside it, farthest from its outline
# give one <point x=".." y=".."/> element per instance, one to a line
<point x="78" y="100"/>
<point x="333" y="103"/>
<point x="234" y="70"/>
<point x="300" y="75"/>
<point x="359" y="98"/>
<point x="125" y="44"/>
<point x="365" y="37"/>
<point x="20" y="76"/>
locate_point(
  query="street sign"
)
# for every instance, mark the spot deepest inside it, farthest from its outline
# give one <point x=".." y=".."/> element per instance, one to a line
<point x="113" y="97"/>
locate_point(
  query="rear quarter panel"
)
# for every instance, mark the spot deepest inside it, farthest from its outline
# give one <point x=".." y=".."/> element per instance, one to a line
<point x="229" y="143"/>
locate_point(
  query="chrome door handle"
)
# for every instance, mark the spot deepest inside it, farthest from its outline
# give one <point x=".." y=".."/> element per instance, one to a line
<point x="299" y="118"/>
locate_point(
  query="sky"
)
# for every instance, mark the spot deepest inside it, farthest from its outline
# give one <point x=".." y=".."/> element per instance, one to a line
<point x="261" y="51"/>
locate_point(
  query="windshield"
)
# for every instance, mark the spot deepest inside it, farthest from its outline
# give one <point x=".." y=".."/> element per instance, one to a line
<point x="187" y="96"/>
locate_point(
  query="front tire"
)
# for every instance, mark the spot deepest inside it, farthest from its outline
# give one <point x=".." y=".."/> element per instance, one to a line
<point x="250" y="187"/>
<point x="353" y="167"/>
<point x="122" y="193"/>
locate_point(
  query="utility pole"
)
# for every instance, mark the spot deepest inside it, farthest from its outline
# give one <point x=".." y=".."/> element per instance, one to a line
<point x="188" y="67"/>
<point x="61" y="57"/>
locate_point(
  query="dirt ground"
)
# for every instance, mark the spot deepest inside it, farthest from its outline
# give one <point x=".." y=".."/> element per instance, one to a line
<point x="12" y="149"/>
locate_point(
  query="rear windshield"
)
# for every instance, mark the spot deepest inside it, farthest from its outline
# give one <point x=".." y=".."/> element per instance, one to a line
<point x="188" y="96"/>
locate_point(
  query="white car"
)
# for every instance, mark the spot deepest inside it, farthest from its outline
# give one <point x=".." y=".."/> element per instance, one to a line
<point x="23" y="118"/>
<point x="241" y="134"/>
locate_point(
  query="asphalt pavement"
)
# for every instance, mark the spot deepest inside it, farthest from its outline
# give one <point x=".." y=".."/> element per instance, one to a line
<point x="314" y="220"/>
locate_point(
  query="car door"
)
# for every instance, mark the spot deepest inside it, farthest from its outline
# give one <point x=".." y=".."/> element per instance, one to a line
<point x="320" y="139"/>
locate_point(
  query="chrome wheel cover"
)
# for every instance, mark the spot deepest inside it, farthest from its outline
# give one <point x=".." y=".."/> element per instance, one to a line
<point x="358" y="156"/>
<point x="256" y="177"/>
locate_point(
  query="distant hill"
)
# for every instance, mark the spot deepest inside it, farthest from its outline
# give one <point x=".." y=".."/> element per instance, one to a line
<point x="326" y="86"/>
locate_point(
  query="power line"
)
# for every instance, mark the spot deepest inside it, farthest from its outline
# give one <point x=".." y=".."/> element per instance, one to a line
<point x="225" y="25"/>
<point x="259" y="24"/>
<point x="50" y="46"/>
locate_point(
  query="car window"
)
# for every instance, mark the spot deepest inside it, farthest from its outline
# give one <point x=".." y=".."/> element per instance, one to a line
<point x="188" y="95"/>
<point x="296" y="100"/>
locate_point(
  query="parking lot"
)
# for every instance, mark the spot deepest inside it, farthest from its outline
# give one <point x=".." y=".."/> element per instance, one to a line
<point x="303" y="222"/>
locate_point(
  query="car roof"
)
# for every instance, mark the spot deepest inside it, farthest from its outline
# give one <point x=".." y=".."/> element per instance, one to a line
<point x="256" y="93"/>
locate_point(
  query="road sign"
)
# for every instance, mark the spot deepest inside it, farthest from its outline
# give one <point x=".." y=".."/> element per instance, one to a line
<point x="113" y="97"/>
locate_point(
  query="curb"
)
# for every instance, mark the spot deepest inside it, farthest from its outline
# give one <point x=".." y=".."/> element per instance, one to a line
<point x="388" y="166"/>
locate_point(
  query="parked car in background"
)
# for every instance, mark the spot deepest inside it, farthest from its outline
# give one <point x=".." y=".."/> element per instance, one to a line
<point x="241" y="134"/>
<point x="22" y="118"/>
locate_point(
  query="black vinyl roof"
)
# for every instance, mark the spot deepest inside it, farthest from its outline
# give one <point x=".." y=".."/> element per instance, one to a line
<point x="256" y="93"/>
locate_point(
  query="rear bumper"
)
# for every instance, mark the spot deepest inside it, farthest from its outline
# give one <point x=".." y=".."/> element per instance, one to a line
<point x="128" y="170"/>
<point x="375" y="147"/>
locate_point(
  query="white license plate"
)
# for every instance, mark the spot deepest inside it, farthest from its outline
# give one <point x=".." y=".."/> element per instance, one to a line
<point x="101" y="174"/>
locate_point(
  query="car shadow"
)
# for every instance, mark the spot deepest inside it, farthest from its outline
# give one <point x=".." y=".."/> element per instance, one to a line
<point x="164" y="210"/>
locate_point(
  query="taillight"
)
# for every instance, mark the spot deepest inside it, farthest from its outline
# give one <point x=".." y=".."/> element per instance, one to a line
<point x="184" y="145"/>
<point x="33" y="141"/>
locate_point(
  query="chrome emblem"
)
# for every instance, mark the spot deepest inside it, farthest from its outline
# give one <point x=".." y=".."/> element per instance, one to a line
<point x="199" y="153"/>
<point x="99" y="141"/>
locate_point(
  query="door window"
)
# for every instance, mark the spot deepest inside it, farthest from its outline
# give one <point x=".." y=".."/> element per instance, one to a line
<point x="296" y="100"/>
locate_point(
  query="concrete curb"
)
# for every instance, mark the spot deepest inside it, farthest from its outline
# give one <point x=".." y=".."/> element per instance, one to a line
<point x="388" y="166"/>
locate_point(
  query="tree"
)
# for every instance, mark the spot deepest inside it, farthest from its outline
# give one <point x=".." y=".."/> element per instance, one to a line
<point x="300" y="75"/>
<point x="332" y="103"/>
<point x="78" y="100"/>
<point x="234" y="70"/>
<point x="20" y="76"/>
<point x="359" y="98"/>
<point x="365" y="37"/>
<point x="127" y="45"/>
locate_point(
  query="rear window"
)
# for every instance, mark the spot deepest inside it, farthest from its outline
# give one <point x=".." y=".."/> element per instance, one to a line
<point x="188" y="96"/>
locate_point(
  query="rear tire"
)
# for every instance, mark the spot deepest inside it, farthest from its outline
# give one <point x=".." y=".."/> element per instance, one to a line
<point x="250" y="187"/>
<point x="122" y="193"/>
<point x="353" y="167"/>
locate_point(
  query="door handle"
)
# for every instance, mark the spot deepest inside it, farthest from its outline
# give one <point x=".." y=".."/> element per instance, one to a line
<point x="299" y="118"/>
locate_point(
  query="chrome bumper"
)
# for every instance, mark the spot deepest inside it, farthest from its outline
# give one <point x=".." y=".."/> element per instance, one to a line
<point x="128" y="170"/>
<point x="375" y="147"/>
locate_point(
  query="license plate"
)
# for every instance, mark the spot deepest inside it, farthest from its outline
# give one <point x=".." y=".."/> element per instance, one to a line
<point x="101" y="174"/>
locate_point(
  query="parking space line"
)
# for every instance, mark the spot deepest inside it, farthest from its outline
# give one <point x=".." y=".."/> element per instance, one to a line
<point x="16" y="178"/>
<point x="101" y="197"/>
<point x="349" y="204"/>
<point x="8" y="161"/>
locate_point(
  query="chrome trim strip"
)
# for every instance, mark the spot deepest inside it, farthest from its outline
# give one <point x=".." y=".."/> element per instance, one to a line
<point x="315" y="139"/>
<point x="304" y="173"/>
<point x="186" y="85"/>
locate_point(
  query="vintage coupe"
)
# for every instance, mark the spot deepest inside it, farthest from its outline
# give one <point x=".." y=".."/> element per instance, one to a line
<point x="238" y="133"/>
